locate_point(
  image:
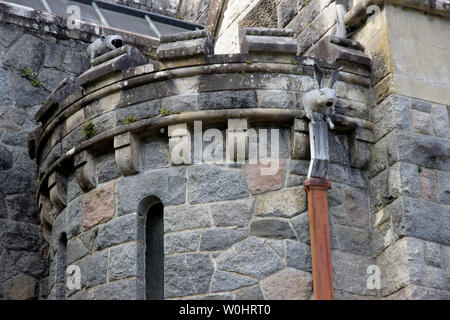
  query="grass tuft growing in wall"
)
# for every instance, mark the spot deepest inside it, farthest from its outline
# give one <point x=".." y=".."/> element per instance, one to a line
<point x="89" y="130"/>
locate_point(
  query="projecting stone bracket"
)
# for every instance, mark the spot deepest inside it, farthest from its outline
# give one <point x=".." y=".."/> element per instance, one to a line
<point x="237" y="140"/>
<point x="333" y="48"/>
<point x="57" y="187"/>
<point x="300" y="140"/>
<point x="126" y="147"/>
<point x="179" y="143"/>
<point x="359" y="148"/>
<point x="85" y="167"/>
<point x="47" y="212"/>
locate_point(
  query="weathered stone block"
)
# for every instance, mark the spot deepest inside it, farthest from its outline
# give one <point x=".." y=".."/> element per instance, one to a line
<point x="125" y="261"/>
<point x="301" y="227"/>
<point x="251" y="257"/>
<point x="288" y="284"/>
<point x="284" y="203"/>
<point x="272" y="228"/>
<point x="262" y="178"/>
<point x="353" y="240"/>
<point x="298" y="255"/>
<point x="443" y="187"/>
<point x="128" y="289"/>
<point x="75" y="250"/>
<point x="182" y="242"/>
<point x="117" y="231"/>
<point x="433" y="254"/>
<point x="232" y="213"/>
<point x="94" y="269"/>
<point x="221" y="239"/>
<point x="441" y="121"/>
<point x="186" y="275"/>
<point x="355" y="202"/>
<point x="391" y="113"/>
<point x="74" y="214"/>
<point x="421" y="122"/>
<point x="184" y="217"/>
<point x="227" y="100"/>
<point x="225" y="281"/>
<point x="98" y="205"/>
<point x="211" y="183"/>
<point x="250" y="293"/>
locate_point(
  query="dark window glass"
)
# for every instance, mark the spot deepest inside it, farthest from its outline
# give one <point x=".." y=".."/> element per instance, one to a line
<point x="87" y="12"/>
<point x="154" y="253"/>
<point x="127" y="22"/>
<point x="35" y="4"/>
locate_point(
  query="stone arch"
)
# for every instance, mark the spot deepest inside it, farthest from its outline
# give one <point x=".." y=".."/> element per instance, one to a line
<point x="152" y="209"/>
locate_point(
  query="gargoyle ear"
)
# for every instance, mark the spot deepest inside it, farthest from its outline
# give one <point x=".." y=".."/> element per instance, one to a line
<point x="318" y="75"/>
<point x="334" y="77"/>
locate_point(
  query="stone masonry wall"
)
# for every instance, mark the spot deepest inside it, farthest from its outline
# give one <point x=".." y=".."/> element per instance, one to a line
<point x="410" y="202"/>
<point x="31" y="66"/>
<point x="230" y="233"/>
<point x="36" y="53"/>
<point x="409" y="173"/>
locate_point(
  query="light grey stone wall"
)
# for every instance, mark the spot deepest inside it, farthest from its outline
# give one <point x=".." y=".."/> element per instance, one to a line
<point x="409" y="197"/>
<point x="237" y="234"/>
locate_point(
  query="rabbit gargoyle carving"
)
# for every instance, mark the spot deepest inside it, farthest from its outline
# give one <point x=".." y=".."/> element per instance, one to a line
<point x="322" y="100"/>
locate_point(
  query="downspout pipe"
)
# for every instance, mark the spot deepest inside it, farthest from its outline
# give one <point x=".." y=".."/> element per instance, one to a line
<point x="340" y="14"/>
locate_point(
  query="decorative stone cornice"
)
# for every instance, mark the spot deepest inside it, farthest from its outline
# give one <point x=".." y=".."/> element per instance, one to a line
<point x="359" y="11"/>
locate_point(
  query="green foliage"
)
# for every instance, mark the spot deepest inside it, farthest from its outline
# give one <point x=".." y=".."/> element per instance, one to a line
<point x="129" y="119"/>
<point x="294" y="63"/>
<point x="26" y="73"/>
<point x="89" y="130"/>
<point x="243" y="72"/>
<point x="35" y="82"/>
<point x="249" y="62"/>
<point x="307" y="2"/>
<point x="419" y="169"/>
<point x="163" y="112"/>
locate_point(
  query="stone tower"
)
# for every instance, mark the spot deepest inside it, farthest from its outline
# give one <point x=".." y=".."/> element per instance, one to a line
<point x="145" y="185"/>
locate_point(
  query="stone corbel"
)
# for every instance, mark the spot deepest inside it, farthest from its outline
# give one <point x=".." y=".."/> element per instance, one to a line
<point x="57" y="190"/>
<point x="237" y="141"/>
<point x="300" y="140"/>
<point x="179" y="143"/>
<point x="126" y="147"/>
<point x="85" y="170"/>
<point x="359" y="148"/>
<point x="47" y="212"/>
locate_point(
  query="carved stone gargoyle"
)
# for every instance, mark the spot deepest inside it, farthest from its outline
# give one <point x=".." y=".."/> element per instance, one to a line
<point x="319" y="106"/>
<point x="322" y="100"/>
<point x="103" y="45"/>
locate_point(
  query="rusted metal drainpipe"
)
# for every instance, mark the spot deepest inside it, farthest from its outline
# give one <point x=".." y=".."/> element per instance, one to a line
<point x="317" y="189"/>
